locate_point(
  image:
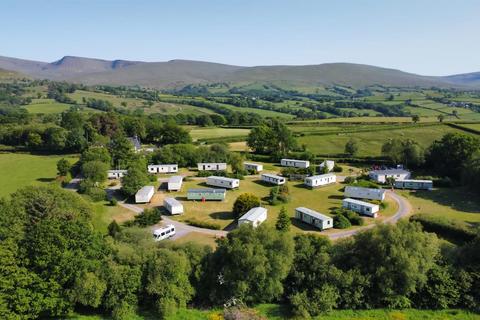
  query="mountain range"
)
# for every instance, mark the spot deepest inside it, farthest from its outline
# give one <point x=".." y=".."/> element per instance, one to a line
<point x="178" y="73"/>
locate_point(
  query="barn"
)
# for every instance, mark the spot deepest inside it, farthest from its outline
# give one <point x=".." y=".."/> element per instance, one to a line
<point x="361" y="207"/>
<point x="205" y="194"/>
<point x="173" y="206"/>
<point x="414" y="184"/>
<point x="250" y="166"/>
<point x="320" y="180"/>
<point x="381" y="176"/>
<point x="145" y="194"/>
<point x="116" y="174"/>
<point x="254" y="216"/>
<point x="162" y="168"/>
<point x="313" y="218"/>
<point x="364" y="193"/>
<point x="175" y="183"/>
<point x="273" y="179"/>
<point x="223" y="182"/>
<point x="295" y="163"/>
<point x="213" y="166"/>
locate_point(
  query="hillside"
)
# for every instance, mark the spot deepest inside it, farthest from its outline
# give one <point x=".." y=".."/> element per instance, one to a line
<point x="178" y="73"/>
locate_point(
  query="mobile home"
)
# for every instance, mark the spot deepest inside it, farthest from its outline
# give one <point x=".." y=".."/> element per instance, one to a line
<point x="173" y="206"/>
<point x="116" y="174"/>
<point x="254" y="216"/>
<point x="320" y="180"/>
<point x="215" y="166"/>
<point x="295" y="163"/>
<point x="162" y="168"/>
<point x="205" y="194"/>
<point x="223" y="182"/>
<point x="330" y="164"/>
<point x="164" y="233"/>
<point x="313" y="218"/>
<point x="364" y="193"/>
<point x="273" y="179"/>
<point x="362" y="207"/>
<point x="381" y="176"/>
<point x="253" y="166"/>
<point x="175" y="183"/>
<point x="145" y="194"/>
<point x="414" y="184"/>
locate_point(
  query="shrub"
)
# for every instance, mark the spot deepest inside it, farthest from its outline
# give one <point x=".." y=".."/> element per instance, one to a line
<point x="245" y="202"/>
<point x="96" y="194"/>
<point x="349" y="180"/>
<point x="341" y="222"/>
<point x="354" y="218"/>
<point x="148" y="217"/>
<point x="211" y="173"/>
<point x="203" y="224"/>
<point x="152" y="178"/>
<point x="279" y="194"/>
<point x="445" y="228"/>
<point x="113" y="202"/>
<point x="337" y="168"/>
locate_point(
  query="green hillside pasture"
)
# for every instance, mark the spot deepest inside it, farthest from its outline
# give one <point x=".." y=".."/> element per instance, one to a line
<point x="370" y="143"/>
<point x="215" y="132"/>
<point x="474" y="126"/>
<point x="376" y="120"/>
<point x="46" y="106"/>
<point x="20" y="169"/>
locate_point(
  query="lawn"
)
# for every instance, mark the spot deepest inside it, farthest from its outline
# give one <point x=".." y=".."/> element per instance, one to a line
<point x="453" y="203"/>
<point x="104" y="213"/>
<point x="22" y="169"/>
<point x="46" y="106"/>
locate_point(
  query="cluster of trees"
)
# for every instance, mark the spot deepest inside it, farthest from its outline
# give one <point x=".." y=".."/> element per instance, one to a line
<point x="272" y="138"/>
<point x="54" y="262"/>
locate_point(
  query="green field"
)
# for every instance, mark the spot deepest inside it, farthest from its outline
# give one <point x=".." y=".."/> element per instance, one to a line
<point x="20" y="169"/>
<point x="46" y="106"/>
<point x="208" y="133"/>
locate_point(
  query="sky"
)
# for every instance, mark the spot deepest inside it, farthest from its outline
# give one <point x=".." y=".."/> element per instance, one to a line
<point x="430" y="37"/>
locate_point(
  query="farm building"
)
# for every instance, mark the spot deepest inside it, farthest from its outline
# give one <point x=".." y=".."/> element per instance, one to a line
<point x="254" y="216"/>
<point x="295" y="163"/>
<point x="381" y="176"/>
<point x="364" y="193"/>
<point x="320" y="180"/>
<point x="330" y="164"/>
<point x="414" y="184"/>
<point x="273" y="179"/>
<point x="206" y="194"/>
<point x="362" y="207"/>
<point x="313" y="218"/>
<point x="116" y="174"/>
<point x="214" y="166"/>
<point x="145" y="194"/>
<point x="162" y="168"/>
<point x="164" y="233"/>
<point x="253" y="166"/>
<point x="175" y="183"/>
<point x="173" y="206"/>
<point x="223" y="182"/>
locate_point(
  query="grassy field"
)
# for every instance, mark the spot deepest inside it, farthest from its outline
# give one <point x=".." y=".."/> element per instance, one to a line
<point x="103" y="214"/>
<point x="206" y="133"/>
<point x="453" y="203"/>
<point x="46" y="106"/>
<point x="20" y="169"/>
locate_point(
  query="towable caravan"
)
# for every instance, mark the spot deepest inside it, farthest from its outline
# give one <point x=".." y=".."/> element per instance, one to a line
<point x="173" y="206"/>
<point x="313" y="218"/>
<point x="116" y="174"/>
<point x="253" y="166"/>
<point x="330" y="164"/>
<point x="164" y="233"/>
<point x="162" y="168"/>
<point x="175" y="183"/>
<point x="206" y="194"/>
<point x="223" y="182"/>
<point x="361" y="207"/>
<point x="273" y="179"/>
<point x="220" y="166"/>
<point x="145" y="194"/>
<point x="364" y="193"/>
<point x="414" y="184"/>
<point x="254" y="216"/>
<point x="381" y="176"/>
<point x="320" y="180"/>
<point x="295" y="163"/>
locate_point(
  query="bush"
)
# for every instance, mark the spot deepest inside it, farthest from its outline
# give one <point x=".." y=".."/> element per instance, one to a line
<point x="152" y="178"/>
<point x="113" y="202"/>
<point x="148" y="217"/>
<point x="245" y="202"/>
<point x="96" y="194"/>
<point x="341" y="222"/>
<point x="211" y="173"/>
<point x="349" y="180"/>
<point x="203" y="224"/>
<point x="445" y="228"/>
<point x="354" y="218"/>
<point x="337" y="168"/>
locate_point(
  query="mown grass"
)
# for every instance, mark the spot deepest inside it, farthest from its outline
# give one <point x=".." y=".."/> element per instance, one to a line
<point x="46" y="106"/>
<point x="216" y="132"/>
<point x="22" y="169"/>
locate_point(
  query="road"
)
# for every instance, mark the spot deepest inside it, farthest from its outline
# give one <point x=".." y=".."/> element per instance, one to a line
<point x="404" y="209"/>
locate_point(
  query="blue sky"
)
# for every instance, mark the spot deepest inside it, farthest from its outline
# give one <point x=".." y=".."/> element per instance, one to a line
<point x="434" y="37"/>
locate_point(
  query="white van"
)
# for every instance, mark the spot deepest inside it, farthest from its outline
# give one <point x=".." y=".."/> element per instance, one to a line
<point x="164" y="233"/>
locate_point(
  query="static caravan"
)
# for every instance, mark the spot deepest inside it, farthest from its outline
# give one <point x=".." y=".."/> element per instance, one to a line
<point x="320" y="180"/>
<point x="206" y="194"/>
<point x="253" y="166"/>
<point x="330" y="164"/>
<point x="116" y="174"/>
<point x="145" y="194"/>
<point x="364" y="193"/>
<point x="362" y="207"/>
<point x="220" y="166"/>
<point x="175" y="183"/>
<point x="313" y="218"/>
<point x="273" y="179"/>
<point x="414" y="184"/>
<point x="295" y="163"/>
<point x="254" y="216"/>
<point x="173" y="206"/>
<point x="164" y="233"/>
<point x="162" y="168"/>
<point x="223" y="182"/>
<point x="381" y="176"/>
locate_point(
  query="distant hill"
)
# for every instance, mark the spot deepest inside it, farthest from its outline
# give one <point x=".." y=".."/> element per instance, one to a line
<point x="10" y="75"/>
<point x="178" y="73"/>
